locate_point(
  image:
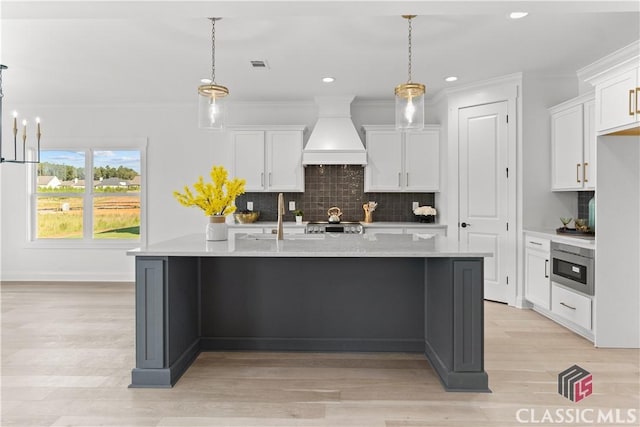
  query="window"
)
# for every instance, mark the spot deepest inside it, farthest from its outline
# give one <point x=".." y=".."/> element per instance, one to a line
<point x="103" y="205"/>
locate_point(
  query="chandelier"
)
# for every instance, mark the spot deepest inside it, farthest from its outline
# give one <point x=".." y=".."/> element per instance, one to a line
<point x="410" y="98"/>
<point x="16" y="150"/>
<point x="211" y="106"/>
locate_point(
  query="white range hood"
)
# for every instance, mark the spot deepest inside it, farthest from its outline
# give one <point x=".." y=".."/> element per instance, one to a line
<point x="334" y="139"/>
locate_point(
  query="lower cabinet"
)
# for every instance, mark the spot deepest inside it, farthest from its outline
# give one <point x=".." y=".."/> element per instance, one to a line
<point x="537" y="282"/>
<point x="571" y="306"/>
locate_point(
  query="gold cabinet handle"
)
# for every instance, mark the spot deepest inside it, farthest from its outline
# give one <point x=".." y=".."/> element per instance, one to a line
<point x="637" y="107"/>
<point x="584" y="171"/>
<point x="577" y="172"/>
<point x="631" y="92"/>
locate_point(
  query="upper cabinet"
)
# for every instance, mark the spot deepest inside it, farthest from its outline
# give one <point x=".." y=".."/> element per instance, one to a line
<point x="402" y="161"/>
<point x="268" y="158"/>
<point x="616" y="79"/>
<point x="617" y="99"/>
<point x="573" y="142"/>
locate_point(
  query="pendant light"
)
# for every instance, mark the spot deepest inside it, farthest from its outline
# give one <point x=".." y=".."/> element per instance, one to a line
<point x="410" y="98"/>
<point x="211" y="105"/>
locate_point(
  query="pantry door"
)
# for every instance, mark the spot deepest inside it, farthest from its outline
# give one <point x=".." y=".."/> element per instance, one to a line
<point x="484" y="192"/>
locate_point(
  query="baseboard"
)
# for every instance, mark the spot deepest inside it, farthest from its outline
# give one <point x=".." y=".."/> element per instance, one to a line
<point x="57" y="276"/>
<point x="310" y="344"/>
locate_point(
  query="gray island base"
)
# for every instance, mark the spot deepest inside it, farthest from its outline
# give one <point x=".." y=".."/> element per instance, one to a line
<point x="348" y="293"/>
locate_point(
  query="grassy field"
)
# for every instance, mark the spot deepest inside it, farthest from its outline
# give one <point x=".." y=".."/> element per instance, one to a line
<point x="113" y="217"/>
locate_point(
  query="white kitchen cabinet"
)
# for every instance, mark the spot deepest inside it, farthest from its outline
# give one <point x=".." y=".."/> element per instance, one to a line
<point x="269" y="159"/>
<point x="402" y="161"/>
<point x="617" y="99"/>
<point x="573" y="142"/>
<point x="571" y="306"/>
<point x="537" y="270"/>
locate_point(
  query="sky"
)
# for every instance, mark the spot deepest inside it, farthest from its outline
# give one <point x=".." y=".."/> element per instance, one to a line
<point x="129" y="159"/>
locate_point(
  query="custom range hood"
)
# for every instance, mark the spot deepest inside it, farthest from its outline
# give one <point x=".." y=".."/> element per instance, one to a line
<point x="334" y="139"/>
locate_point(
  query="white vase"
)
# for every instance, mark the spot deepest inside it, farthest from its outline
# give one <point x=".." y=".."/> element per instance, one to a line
<point x="217" y="228"/>
<point x="298" y="219"/>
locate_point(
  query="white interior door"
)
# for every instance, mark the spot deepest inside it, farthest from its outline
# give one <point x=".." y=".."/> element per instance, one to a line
<point x="483" y="205"/>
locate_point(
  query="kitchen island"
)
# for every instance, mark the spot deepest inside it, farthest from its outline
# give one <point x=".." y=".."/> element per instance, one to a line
<point x="382" y="292"/>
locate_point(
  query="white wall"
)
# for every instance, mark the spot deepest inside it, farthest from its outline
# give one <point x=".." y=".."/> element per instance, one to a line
<point x="541" y="207"/>
<point x="178" y="152"/>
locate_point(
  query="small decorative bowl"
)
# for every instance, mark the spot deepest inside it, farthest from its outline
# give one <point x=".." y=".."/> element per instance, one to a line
<point x="581" y="224"/>
<point x="425" y="218"/>
<point x="246" y="217"/>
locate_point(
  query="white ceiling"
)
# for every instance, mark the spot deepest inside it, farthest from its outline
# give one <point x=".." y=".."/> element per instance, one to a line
<point x="106" y="52"/>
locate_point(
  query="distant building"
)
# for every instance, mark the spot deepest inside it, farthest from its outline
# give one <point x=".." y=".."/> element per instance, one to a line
<point x="48" y="181"/>
<point x="136" y="182"/>
<point x="112" y="183"/>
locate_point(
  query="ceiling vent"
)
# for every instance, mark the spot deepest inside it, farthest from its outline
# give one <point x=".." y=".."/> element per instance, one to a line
<point x="259" y="64"/>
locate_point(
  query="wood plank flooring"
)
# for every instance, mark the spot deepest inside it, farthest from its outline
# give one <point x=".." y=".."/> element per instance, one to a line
<point x="68" y="349"/>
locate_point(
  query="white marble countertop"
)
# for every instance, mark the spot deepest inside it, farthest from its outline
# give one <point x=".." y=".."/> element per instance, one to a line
<point x="267" y="224"/>
<point x="325" y="245"/>
<point x="588" y="242"/>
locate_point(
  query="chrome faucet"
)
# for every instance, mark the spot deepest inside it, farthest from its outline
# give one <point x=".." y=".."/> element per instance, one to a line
<point x="280" y="215"/>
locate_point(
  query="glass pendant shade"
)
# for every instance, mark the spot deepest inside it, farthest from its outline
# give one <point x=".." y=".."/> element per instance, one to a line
<point x="410" y="106"/>
<point x="212" y="106"/>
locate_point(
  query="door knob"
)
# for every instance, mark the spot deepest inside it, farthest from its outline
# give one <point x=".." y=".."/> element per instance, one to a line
<point x="464" y="225"/>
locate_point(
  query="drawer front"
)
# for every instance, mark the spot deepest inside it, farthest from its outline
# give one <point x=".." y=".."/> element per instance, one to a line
<point x="537" y="243"/>
<point x="572" y="306"/>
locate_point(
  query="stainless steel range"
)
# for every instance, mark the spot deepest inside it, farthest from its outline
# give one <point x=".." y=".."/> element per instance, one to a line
<point x="317" y="227"/>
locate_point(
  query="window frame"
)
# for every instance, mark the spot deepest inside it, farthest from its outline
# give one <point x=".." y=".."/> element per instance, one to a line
<point x="89" y="146"/>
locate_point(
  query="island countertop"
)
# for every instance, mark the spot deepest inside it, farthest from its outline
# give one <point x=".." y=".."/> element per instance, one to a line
<point x="423" y="245"/>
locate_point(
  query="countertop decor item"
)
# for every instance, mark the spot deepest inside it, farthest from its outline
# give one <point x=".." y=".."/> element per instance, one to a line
<point x="565" y="221"/>
<point x="298" y="214"/>
<point x="592" y="213"/>
<point x="215" y="198"/>
<point x="246" y="217"/>
<point x="582" y="229"/>
<point x="425" y="213"/>
<point x="368" y="211"/>
<point x="334" y="214"/>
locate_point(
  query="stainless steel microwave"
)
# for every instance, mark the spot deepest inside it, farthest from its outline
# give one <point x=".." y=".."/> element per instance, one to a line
<point x="573" y="266"/>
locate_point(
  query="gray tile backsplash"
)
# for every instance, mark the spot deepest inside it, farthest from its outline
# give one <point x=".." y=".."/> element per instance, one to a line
<point x="341" y="186"/>
<point x="583" y="203"/>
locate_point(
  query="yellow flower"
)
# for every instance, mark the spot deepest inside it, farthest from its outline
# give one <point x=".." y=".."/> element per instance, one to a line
<point x="215" y="197"/>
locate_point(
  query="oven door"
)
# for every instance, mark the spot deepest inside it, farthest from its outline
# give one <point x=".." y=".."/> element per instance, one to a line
<point x="573" y="271"/>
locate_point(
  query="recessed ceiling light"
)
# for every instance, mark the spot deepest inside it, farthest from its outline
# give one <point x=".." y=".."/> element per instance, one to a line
<point x="451" y="79"/>
<point x="518" y="15"/>
<point x="205" y="81"/>
<point x="328" y="79"/>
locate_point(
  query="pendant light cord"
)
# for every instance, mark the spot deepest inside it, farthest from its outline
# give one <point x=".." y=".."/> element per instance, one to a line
<point x="409" y="19"/>
<point x="213" y="50"/>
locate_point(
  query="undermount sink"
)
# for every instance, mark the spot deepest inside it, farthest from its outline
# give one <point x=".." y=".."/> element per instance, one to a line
<point x="266" y="236"/>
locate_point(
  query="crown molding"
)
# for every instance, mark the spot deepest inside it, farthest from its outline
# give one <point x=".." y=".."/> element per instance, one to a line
<point x="621" y="60"/>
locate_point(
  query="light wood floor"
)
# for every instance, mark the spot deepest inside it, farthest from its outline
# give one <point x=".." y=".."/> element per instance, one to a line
<point x="68" y="348"/>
